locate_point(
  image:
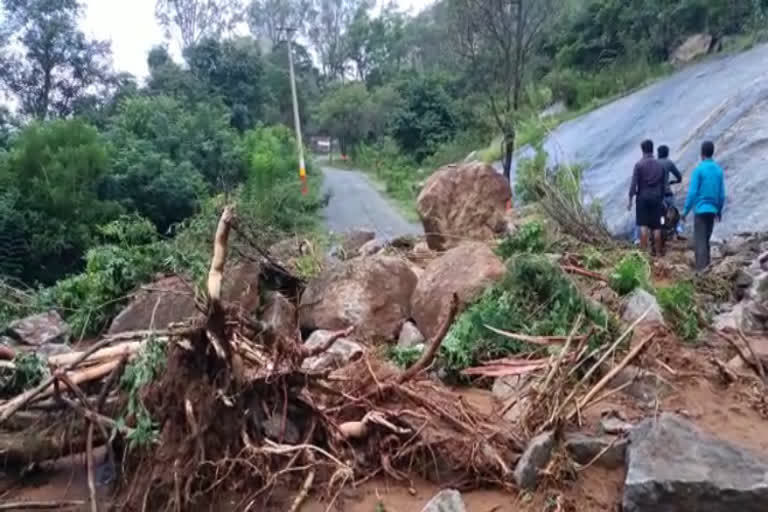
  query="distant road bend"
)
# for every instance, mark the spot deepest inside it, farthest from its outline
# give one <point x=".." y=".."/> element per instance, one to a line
<point x="356" y="204"/>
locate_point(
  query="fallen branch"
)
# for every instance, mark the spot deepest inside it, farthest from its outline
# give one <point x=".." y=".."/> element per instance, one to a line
<point x="10" y="407"/>
<point x="563" y="353"/>
<point x="307" y="352"/>
<point x="611" y="374"/>
<point x="570" y="269"/>
<point x="758" y="362"/>
<point x="41" y="505"/>
<point x="434" y="344"/>
<point x="216" y="272"/>
<point x="534" y="340"/>
<point x="592" y="370"/>
<point x="504" y="369"/>
<point x="107" y="354"/>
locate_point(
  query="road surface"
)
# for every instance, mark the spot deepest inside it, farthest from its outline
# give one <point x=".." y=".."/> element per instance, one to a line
<point x="355" y="203"/>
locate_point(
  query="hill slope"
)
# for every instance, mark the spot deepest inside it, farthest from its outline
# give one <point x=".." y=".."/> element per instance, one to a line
<point x="724" y="98"/>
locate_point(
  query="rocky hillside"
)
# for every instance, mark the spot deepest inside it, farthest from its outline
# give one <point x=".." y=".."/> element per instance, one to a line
<point x="723" y="98"/>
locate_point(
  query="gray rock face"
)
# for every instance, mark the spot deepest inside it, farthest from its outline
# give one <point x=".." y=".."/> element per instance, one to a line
<point x="637" y="303"/>
<point x="448" y="500"/>
<point x="723" y="98"/>
<point x="535" y="458"/>
<point x="674" y="467"/>
<point x="410" y="336"/>
<point x="341" y="353"/>
<point x="583" y="449"/>
<point x="41" y="329"/>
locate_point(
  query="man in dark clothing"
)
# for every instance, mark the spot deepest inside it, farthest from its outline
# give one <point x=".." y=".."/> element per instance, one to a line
<point x="670" y="171"/>
<point x="648" y="186"/>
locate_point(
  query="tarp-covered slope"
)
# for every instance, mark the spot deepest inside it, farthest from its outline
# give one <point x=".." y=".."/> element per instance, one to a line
<point x="724" y="98"/>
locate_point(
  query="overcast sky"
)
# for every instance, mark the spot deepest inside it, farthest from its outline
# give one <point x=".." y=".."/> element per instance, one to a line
<point x="131" y="26"/>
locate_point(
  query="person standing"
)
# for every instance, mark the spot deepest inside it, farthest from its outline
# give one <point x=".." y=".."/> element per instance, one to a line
<point x="670" y="171"/>
<point x="648" y="188"/>
<point x="706" y="197"/>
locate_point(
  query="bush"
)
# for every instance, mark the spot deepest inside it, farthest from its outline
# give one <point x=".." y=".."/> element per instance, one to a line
<point x="534" y="298"/>
<point x="679" y="305"/>
<point x="530" y="238"/>
<point x="632" y="271"/>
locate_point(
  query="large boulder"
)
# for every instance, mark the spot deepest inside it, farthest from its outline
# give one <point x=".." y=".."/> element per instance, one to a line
<point x="673" y="466"/>
<point x="466" y="270"/>
<point x="172" y="299"/>
<point x="373" y="294"/>
<point x="460" y="202"/>
<point x="41" y="329"/>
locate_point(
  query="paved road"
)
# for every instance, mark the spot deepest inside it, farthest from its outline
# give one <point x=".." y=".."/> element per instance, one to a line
<point x="355" y="203"/>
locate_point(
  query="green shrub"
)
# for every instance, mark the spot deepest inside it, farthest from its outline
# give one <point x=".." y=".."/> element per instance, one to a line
<point x="632" y="271"/>
<point x="530" y="238"/>
<point x="151" y="361"/>
<point x="534" y="298"/>
<point x="29" y="370"/>
<point x="679" y="305"/>
<point x="404" y="356"/>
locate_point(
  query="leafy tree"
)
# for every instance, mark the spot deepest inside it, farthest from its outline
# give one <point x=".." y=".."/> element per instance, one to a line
<point x="376" y="46"/>
<point x="498" y="39"/>
<point x="166" y="157"/>
<point x="344" y="113"/>
<point x="195" y="20"/>
<point x="51" y="64"/>
<point x="51" y="177"/>
<point x="328" y="32"/>
<point x="167" y="78"/>
<point x="232" y="70"/>
<point x="428" y="117"/>
<point x="269" y="18"/>
<point x="279" y="107"/>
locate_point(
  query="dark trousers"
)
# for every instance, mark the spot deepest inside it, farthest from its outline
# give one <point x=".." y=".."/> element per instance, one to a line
<point x="703" y="224"/>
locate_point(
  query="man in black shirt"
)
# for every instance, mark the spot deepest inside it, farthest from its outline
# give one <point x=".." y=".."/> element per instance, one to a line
<point x="648" y="186"/>
<point x="670" y="171"/>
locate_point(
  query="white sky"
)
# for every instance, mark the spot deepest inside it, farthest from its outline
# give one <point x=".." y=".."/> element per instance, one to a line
<point x="133" y="30"/>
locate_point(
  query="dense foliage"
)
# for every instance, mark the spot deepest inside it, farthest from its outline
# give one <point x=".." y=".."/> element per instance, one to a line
<point x="534" y="298"/>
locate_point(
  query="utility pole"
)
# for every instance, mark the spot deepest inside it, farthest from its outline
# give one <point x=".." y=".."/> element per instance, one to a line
<point x="296" y="120"/>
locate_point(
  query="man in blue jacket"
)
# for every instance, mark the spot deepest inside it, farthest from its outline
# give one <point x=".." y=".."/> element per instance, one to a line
<point x="706" y="197"/>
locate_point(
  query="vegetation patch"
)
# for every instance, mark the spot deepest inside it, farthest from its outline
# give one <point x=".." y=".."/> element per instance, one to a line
<point x="680" y="309"/>
<point x="150" y="362"/>
<point x="534" y="298"/>
<point x="632" y="271"/>
<point x="29" y="369"/>
<point x="529" y="238"/>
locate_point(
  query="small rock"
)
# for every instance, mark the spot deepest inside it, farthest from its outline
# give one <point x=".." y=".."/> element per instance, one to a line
<point x="410" y="335"/>
<point x="535" y="458"/>
<point x="353" y="240"/>
<point x="583" y="449"/>
<point x="41" y="329"/>
<point x="637" y="303"/>
<point x="716" y="252"/>
<point x="614" y="425"/>
<point x="673" y="466"/>
<point x="448" y="500"/>
<point x="645" y="386"/>
<point x="341" y="353"/>
<point x="743" y="279"/>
